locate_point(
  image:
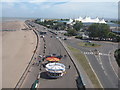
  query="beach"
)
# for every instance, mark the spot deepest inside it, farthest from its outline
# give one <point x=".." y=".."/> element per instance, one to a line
<point x="17" y="50"/>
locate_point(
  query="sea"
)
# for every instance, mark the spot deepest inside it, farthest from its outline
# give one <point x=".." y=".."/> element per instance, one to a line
<point x="8" y="19"/>
<point x="3" y="19"/>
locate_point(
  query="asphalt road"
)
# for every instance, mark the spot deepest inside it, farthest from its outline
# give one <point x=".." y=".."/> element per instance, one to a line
<point x="52" y="46"/>
<point x="100" y="63"/>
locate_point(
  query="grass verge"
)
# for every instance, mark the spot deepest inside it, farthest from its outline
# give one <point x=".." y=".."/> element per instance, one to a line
<point x="83" y="61"/>
<point x="86" y="44"/>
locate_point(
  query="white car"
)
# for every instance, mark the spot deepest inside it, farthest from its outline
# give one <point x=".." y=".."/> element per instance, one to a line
<point x="42" y="36"/>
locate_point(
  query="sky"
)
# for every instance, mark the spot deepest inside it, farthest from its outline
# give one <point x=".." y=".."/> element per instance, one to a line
<point x="59" y="8"/>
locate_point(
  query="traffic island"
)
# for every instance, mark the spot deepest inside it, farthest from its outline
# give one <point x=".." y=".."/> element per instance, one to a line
<point x="88" y="44"/>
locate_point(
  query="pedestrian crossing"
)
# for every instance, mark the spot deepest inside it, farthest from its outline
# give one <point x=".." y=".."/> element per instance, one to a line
<point x="91" y="53"/>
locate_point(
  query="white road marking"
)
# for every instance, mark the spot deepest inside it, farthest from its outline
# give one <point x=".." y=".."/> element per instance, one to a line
<point x="102" y="67"/>
<point x="101" y="54"/>
<point x="100" y="61"/>
<point x="94" y="72"/>
<point x="91" y="53"/>
<point x="113" y="67"/>
<point x="105" y="73"/>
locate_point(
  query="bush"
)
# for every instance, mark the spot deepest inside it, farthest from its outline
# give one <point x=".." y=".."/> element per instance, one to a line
<point x="72" y="32"/>
<point x="93" y="44"/>
<point x="85" y="44"/>
<point x="79" y="37"/>
<point x="117" y="56"/>
<point x="66" y="34"/>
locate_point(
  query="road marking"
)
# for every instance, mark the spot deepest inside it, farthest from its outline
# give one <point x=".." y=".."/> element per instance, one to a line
<point x="91" y="53"/>
<point x="102" y="66"/>
<point x="105" y="73"/>
<point x="113" y="67"/>
<point x="100" y="54"/>
<point x="94" y="72"/>
<point x="98" y="59"/>
<point x="88" y="53"/>
<point x="101" y="62"/>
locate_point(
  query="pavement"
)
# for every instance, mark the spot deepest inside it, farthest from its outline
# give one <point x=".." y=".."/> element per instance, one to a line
<point x="52" y="46"/>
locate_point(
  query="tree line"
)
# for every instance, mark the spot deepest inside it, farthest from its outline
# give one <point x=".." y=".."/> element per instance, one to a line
<point x="97" y="31"/>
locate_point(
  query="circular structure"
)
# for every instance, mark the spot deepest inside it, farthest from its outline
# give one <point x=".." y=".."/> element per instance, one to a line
<point x="55" y="70"/>
<point x="52" y="59"/>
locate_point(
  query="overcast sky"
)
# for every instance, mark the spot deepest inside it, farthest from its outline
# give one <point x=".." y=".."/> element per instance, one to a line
<point x="57" y="9"/>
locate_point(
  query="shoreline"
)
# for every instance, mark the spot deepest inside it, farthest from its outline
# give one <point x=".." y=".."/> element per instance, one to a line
<point x="20" y="44"/>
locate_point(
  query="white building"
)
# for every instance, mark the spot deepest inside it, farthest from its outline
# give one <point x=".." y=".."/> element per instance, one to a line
<point x="102" y="21"/>
<point x="83" y="35"/>
<point x="90" y="20"/>
<point x="70" y="21"/>
<point x="40" y="20"/>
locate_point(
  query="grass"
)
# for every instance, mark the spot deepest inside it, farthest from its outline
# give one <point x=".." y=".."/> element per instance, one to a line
<point x="87" y="44"/>
<point x="83" y="61"/>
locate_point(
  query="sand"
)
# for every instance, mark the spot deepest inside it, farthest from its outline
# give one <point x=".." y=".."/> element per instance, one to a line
<point x="12" y="25"/>
<point x="17" y="50"/>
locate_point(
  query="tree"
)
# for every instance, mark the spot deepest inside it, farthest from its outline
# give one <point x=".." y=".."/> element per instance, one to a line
<point x="98" y="30"/>
<point x="111" y="35"/>
<point x="59" y="26"/>
<point x="71" y="32"/>
<point x="117" y="38"/>
<point x="93" y="30"/>
<point x="77" y="26"/>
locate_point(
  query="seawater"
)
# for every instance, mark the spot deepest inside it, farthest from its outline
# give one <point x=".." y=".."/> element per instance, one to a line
<point x="3" y="19"/>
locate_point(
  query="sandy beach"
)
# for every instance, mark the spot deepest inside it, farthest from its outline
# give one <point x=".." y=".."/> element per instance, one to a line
<point x="17" y="50"/>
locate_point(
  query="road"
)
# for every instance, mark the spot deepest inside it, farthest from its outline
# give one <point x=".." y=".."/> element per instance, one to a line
<point x="100" y="63"/>
<point x="52" y="46"/>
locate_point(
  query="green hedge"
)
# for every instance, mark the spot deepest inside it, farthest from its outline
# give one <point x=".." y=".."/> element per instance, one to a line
<point x="117" y="56"/>
<point x="79" y="37"/>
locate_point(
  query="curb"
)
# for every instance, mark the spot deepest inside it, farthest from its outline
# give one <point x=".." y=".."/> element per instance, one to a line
<point x="72" y="59"/>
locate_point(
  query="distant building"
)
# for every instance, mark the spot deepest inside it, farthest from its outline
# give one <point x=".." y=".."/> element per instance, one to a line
<point x="83" y="20"/>
<point x="40" y="20"/>
<point x="70" y="21"/>
<point x="89" y="20"/>
<point x="83" y="35"/>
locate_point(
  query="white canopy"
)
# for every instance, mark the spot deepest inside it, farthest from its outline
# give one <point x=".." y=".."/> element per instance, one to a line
<point x="55" y="67"/>
<point x="102" y="21"/>
<point x="90" y="20"/>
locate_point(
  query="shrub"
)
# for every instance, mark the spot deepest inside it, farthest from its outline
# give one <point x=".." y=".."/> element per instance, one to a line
<point x="117" y="56"/>
<point x="79" y="37"/>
